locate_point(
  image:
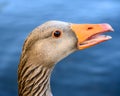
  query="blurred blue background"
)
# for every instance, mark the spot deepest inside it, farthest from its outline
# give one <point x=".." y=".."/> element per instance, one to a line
<point x="91" y="72"/>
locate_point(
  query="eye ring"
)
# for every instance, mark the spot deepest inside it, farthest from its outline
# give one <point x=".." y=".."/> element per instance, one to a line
<point x="57" y="33"/>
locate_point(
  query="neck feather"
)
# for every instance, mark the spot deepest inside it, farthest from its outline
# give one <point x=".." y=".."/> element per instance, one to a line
<point x="34" y="80"/>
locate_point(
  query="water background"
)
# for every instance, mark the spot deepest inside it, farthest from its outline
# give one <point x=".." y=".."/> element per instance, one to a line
<point x="91" y="72"/>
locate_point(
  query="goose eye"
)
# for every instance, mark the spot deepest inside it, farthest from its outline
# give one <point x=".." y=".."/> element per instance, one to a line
<point x="57" y="33"/>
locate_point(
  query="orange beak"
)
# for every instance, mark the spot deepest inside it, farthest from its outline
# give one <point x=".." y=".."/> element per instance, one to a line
<point x="90" y="34"/>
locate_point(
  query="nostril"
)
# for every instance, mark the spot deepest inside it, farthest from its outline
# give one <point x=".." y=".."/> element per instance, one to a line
<point x="89" y="28"/>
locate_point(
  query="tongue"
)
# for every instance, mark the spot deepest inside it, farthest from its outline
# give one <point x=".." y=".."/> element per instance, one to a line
<point x="96" y="38"/>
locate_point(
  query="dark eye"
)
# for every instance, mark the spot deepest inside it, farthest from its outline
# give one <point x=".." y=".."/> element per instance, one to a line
<point x="57" y="33"/>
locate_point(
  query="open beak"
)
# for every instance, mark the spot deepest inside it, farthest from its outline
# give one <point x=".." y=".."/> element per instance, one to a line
<point x="90" y="34"/>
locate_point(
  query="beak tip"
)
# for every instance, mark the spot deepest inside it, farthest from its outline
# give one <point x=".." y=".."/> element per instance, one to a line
<point x="107" y="27"/>
<point x="109" y="37"/>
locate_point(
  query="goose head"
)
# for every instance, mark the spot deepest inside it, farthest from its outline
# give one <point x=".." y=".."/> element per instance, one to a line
<point x="54" y="40"/>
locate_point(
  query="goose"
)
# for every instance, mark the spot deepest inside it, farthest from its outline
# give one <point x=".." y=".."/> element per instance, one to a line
<point x="48" y="44"/>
